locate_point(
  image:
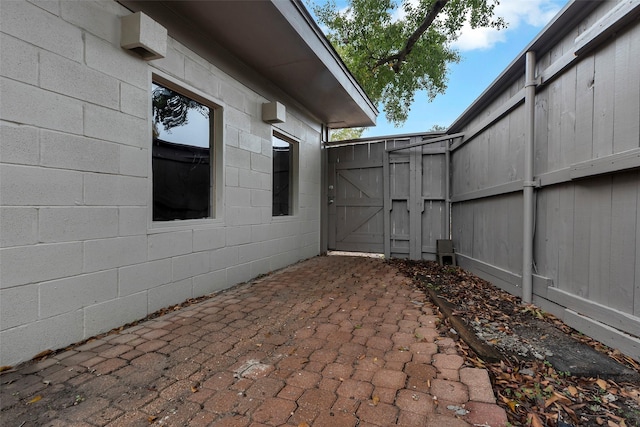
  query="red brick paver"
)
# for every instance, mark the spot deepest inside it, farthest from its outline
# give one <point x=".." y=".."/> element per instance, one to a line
<point x="332" y="341"/>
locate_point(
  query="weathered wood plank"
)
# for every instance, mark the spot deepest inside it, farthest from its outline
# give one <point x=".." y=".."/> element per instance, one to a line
<point x="624" y="233"/>
<point x="626" y="106"/>
<point x="581" y="242"/>
<point x="600" y="240"/>
<point x="585" y="75"/>
<point x="604" y="91"/>
<point x="565" y="236"/>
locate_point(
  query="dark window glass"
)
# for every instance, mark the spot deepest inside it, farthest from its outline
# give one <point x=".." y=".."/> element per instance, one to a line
<point x="182" y="174"/>
<point x="282" y="176"/>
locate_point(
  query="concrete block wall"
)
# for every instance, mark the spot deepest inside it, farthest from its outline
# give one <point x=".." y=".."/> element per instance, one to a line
<point x="79" y="254"/>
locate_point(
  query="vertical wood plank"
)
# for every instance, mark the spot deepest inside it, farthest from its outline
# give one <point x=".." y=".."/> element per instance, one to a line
<point x="541" y="135"/>
<point x="600" y="240"/>
<point x="636" y="289"/>
<point x="581" y="241"/>
<point x="554" y="124"/>
<point x="585" y="80"/>
<point x="567" y="141"/>
<point x="626" y="134"/>
<point x="624" y="234"/>
<point x="386" y="201"/>
<point x="565" y="236"/>
<point x="516" y="213"/>
<point x="604" y="91"/>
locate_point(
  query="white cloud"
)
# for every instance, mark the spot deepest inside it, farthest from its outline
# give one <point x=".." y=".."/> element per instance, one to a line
<point x="536" y="13"/>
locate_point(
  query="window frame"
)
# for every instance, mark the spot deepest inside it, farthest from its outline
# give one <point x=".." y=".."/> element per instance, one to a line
<point x="216" y="147"/>
<point x="293" y="174"/>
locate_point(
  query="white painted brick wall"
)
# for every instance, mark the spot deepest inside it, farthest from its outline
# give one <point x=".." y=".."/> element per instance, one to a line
<point x="238" y="274"/>
<point x="206" y="240"/>
<point x="24" y="342"/>
<point x="20" y="144"/>
<point x="134" y="161"/>
<point x="32" y="186"/>
<point x="170" y="244"/>
<point x="36" y="263"/>
<point x="210" y="282"/>
<point x="18" y="226"/>
<point x="74" y="293"/>
<point x="89" y="15"/>
<point x="64" y="224"/>
<point x="132" y="220"/>
<point x="250" y="142"/>
<point x="200" y="77"/>
<point x="64" y="151"/>
<point x="18" y="60"/>
<point x="140" y="277"/>
<point x="56" y="75"/>
<point x="12" y="314"/>
<point x="170" y="294"/>
<point x="134" y="101"/>
<point x="190" y="265"/>
<point x="103" y="254"/>
<point x="114" y="313"/>
<point x="37" y="27"/>
<point x="115" y="190"/>
<point x="112" y="60"/>
<point x="112" y="125"/>
<point x="51" y="111"/>
<point x="223" y="258"/>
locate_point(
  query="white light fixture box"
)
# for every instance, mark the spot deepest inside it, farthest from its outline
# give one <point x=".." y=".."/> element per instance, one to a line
<point x="144" y="36"/>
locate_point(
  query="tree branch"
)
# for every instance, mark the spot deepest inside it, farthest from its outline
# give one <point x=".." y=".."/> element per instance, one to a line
<point x="398" y="58"/>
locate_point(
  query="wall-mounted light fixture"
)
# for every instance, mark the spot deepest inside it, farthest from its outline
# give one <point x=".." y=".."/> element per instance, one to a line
<point x="144" y="36"/>
<point x="274" y="112"/>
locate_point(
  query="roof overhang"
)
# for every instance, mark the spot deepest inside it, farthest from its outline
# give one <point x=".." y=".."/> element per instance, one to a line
<point x="273" y="42"/>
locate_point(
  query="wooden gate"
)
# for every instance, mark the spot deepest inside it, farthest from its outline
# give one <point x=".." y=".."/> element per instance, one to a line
<point x="384" y="198"/>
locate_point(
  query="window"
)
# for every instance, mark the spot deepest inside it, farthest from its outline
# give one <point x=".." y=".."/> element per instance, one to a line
<point x="182" y="161"/>
<point x="283" y="176"/>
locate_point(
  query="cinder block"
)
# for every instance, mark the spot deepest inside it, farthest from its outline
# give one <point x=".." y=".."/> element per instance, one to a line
<point x="65" y="151"/>
<point x="256" y="251"/>
<point x="22" y="103"/>
<point x="134" y="101"/>
<point x="134" y="161"/>
<point x="261" y="198"/>
<point x="232" y="137"/>
<point x="65" y="224"/>
<point x="237" y="215"/>
<point x="20" y="144"/>
<point x="115" y="190"/>
<point x="237" y="158"/>
<point x="114" y="313"/>
<point x="48" y="5"/>
<point x="170" y="244"/>
<point x="208" y="239"/>
<point x="206" y="284"/>
<point x="238" y="274"/>
<point x="231" y="175"/>
<point x="23" y="342"/>
<point x="112" y="60"/>
<point x="233" y="96"/>
<point x="18" y="306"/>
<point x="19" y="226"/>
<point x="253" y="179"/>
<point x="30" y="264"/>
<point x="261" y="232"/>
<point x="223" y="258"/>
<point x="237" y="118"/>
<point x="73" y="293"/>
<point x="170" y="294"/>
<point x="261" y="163"/>
<point x="190" y="265"/>
<point x="261" y="266"/>
<point x="238" y="197"/>
<point x="40" y="28"/>
<point x="98" y="18"/>
<point x="173" y="63"/>
<point x="250" y="142"/>
<point x="238" y="235"/>
<point x="86" y="84"/>
<point x="34" y="186"/>
<point x="103" y="254"/>
<point x="18" y="60"/>
<point x="111" y="125"/>
<point x="132" y="221"/>
<point x="200" y="77"/>
<point x="141" y="277"/>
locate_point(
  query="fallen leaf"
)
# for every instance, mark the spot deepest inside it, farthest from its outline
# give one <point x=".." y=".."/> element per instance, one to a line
<point x="34" y="400"/>
<point x="194" y="389"/>
<point x="601" y="383"/>
<point x="303" y="424"/>
<point x="151" y="418"/>
<point x="572" y="391"/>
<point x="375" y="400"/>
<point x="534" y="420"/>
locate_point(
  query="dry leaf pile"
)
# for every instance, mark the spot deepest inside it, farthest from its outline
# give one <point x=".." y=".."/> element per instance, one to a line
<point x="532" y="392"/>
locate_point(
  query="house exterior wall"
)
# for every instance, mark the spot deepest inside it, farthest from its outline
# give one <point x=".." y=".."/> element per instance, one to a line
<point x="79" y="253"/>
<point x="587" y="205"/>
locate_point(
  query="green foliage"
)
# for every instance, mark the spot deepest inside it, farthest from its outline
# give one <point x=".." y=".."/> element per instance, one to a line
<point x="345" y="134"/>
<point x="395" y="50"/>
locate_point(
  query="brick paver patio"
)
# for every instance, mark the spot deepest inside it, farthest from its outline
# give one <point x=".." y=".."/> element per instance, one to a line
<point x="332" y="341"/>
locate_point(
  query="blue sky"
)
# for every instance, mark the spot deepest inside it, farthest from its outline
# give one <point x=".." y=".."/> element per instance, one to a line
<point x="485" y="54"/>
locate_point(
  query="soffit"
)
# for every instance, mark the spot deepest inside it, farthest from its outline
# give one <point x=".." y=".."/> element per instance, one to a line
<point x="276" y="41"/>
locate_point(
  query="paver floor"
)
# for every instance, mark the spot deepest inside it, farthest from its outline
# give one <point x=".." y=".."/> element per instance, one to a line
<point x="331" y="341"/>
